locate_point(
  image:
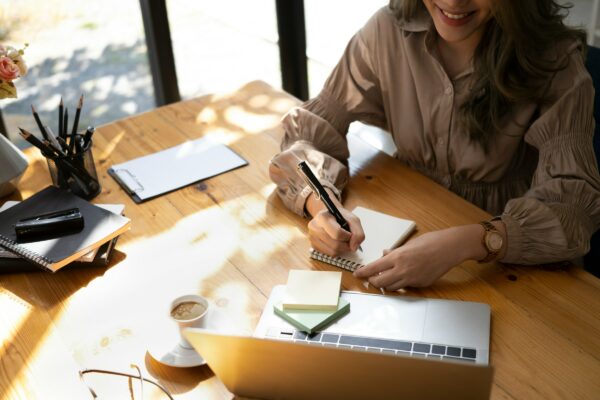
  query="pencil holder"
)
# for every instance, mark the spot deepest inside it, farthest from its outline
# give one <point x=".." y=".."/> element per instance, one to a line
<point x="76" y="171"/>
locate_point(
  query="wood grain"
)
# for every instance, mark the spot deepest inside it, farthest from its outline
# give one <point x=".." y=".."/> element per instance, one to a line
<point x="231" y="240"/>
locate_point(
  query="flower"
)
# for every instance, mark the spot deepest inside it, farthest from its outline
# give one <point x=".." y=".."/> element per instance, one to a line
<point x="12" y="66"/>
<point x="9" y="71"/>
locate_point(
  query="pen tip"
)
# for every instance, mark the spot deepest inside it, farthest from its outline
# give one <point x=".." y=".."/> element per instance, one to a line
<point x="32" y="108"/>
<point x="61" y="101"/>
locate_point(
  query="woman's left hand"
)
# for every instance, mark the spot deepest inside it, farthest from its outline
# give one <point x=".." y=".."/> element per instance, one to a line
<point x="424" y="259"/>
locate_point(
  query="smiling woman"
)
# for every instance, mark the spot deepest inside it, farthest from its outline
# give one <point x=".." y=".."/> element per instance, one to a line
<point x="490" y="99"/>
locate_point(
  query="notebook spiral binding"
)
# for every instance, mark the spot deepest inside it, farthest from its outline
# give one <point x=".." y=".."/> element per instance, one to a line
<point x="339" y="262"/>
<point x="28" y="255"/>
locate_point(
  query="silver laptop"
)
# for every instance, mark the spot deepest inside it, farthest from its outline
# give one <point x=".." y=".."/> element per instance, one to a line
<point x="386" y="347"/>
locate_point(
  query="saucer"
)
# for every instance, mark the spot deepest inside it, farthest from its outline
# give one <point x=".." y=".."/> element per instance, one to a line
<point x="177" y="356"/>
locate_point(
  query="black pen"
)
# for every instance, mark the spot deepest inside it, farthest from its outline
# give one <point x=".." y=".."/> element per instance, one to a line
<point x="322" y="195"/>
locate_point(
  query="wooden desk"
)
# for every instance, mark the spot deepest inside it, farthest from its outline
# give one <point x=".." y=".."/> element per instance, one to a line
<point x="231" y="239"/>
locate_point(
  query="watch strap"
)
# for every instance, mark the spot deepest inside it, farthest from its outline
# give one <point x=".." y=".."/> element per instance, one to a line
<point x="492" y="254"/>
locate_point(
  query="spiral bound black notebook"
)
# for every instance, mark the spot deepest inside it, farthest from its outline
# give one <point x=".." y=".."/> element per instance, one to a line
<point x="382" y="231"/>
<point x="100" y="226"/>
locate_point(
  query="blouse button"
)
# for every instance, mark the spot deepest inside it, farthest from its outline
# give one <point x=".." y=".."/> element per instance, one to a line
<point x="448" y="90"/>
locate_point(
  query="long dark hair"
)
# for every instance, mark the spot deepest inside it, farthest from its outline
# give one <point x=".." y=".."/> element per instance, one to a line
<point x="514" y="60"/>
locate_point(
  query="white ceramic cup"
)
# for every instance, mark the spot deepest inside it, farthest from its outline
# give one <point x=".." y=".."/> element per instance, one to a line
<point x="196" y="322"/>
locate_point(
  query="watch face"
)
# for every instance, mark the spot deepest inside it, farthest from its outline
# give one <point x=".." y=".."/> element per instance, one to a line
<point x="493" y="241"/>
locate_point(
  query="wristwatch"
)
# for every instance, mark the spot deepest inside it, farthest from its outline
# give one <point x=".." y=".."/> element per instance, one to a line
<point x="492" y="240"/>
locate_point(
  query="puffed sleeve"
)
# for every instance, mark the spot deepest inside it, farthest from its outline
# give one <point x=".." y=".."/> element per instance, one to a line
<point x="555" y="219"/>
<point x="316" y="131"/>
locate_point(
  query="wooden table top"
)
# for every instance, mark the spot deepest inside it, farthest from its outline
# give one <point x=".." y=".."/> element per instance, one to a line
<point x="231" y="240"/>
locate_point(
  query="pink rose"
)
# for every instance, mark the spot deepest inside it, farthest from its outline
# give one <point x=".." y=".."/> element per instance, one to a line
<point x="8" y="69"/>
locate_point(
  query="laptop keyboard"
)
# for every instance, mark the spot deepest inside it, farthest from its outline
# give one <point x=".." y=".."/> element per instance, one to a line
<point x="377" y="345"/>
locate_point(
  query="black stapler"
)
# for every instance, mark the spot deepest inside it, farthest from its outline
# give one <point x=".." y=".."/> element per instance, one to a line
<point x="49" y="225"/>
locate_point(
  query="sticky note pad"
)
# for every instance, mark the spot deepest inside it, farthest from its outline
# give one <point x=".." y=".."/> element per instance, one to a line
<point x="311" y="321"/>
<point x="312" y="290"/>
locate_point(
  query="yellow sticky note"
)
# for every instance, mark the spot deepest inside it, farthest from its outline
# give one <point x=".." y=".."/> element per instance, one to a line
<point x="312" y="290"/>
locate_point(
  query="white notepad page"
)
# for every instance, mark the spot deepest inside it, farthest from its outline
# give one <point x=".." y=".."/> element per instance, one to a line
<point x="382" y="231"/>
<point x="176" y="167"/>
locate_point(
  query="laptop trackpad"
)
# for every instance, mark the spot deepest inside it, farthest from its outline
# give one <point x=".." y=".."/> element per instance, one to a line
<point x="383" y="316"/>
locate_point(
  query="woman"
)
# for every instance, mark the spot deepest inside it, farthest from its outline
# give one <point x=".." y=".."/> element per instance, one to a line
<point x="491" y="99"/>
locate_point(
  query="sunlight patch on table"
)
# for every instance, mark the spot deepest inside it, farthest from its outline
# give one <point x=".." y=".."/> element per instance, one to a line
<point x="224" y="136"/>
<point x="230" y="308"/>
<point x="112" y="145"/>
<point x="260" y="245"/>
<point x="249" y="121"/>
<point x="13" y="312"/>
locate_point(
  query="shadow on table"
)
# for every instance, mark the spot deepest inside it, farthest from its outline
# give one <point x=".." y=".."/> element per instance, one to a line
<point x="177" y="380"/>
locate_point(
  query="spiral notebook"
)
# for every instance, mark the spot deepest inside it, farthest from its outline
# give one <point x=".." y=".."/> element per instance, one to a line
<point x="382" y="231"/>
<point x="100" y="256"/>
<point x="100" y="226"/>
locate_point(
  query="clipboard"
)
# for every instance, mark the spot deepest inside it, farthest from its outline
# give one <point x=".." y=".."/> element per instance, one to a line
<point x="149" y="176"/>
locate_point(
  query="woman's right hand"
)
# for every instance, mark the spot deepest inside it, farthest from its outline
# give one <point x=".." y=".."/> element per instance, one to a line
<point x="326" y="235"/>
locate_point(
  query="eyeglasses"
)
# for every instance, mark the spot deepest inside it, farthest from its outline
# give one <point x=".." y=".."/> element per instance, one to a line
<point x="130" y="376"/>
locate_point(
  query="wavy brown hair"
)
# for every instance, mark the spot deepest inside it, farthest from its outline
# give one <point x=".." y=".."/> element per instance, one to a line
<point x="514" y="61"/>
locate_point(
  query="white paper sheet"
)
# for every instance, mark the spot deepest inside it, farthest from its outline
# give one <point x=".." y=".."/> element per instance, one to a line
<point x="176" y="167"/>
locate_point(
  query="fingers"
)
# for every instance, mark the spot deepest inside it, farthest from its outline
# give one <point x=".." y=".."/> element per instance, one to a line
<point x="327" y="222"/>
<point x="323" y="242"/>
<point x="374" y="268"/>
<point x="388" y="280"/>
<point x="358" y="235"/>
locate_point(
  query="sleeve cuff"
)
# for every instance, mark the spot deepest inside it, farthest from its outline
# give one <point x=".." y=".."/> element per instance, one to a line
<point x="514" y="238"/>
<point x="300" y="202"/>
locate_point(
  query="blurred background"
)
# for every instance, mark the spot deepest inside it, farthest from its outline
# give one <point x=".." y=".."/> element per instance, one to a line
<point x="99" y="48"/>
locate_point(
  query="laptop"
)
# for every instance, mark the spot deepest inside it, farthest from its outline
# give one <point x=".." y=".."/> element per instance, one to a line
<point x="386" y="347"/>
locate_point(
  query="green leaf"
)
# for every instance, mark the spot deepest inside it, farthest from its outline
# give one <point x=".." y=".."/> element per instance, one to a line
<point x="7" y="90"/>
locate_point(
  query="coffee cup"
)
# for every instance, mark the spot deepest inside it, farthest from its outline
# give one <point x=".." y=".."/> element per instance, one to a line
<point x="189" y="311"/>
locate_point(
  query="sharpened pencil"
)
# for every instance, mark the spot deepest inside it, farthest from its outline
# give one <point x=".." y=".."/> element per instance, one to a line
<point x="75" y="125"/>
<point x="31" y="138"/>
<point x="63" y="134"/>
<point x="60" y="117"/>
<point x="39" y="122"/>
<point x="54" y="141"/>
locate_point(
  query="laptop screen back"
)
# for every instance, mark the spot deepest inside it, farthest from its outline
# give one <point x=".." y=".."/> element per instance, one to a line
<point x="269" y="369"/>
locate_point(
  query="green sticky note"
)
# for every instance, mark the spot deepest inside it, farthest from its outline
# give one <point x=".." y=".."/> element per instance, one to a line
<point x="311" y="321"/>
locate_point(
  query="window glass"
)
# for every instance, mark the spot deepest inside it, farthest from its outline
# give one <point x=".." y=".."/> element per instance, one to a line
<point x="221" y="45"/>
<point x="329" y="27"/>
<point x="76" y="47"/>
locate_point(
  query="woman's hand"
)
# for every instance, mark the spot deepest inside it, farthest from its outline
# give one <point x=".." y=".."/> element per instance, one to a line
<point x="326" y="235"/>
<point x="421" y="261"/>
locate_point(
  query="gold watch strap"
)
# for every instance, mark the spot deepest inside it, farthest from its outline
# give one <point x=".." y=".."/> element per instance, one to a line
<point x="488" y="227"/>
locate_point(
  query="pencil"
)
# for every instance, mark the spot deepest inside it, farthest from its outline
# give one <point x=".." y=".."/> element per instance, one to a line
<point x="30" y="137"/>
<point x="53" y="140"/>
<point x="39" y="122"/>
<point x="60" y="117"/>
<point x="63" y="134"/>
<point x="75" y="124"/>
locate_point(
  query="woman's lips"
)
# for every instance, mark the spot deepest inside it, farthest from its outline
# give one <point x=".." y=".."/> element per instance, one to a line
<point x="455" y="19"/>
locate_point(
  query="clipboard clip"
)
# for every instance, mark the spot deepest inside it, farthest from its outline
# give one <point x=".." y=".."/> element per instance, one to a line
<point x="129" y="181"/>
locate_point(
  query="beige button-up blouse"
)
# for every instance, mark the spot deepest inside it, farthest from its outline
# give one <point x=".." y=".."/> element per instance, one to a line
<point x="540" y="175"/>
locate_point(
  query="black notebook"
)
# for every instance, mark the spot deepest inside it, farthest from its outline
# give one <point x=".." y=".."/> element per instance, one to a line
<point x="100" y="226"/>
